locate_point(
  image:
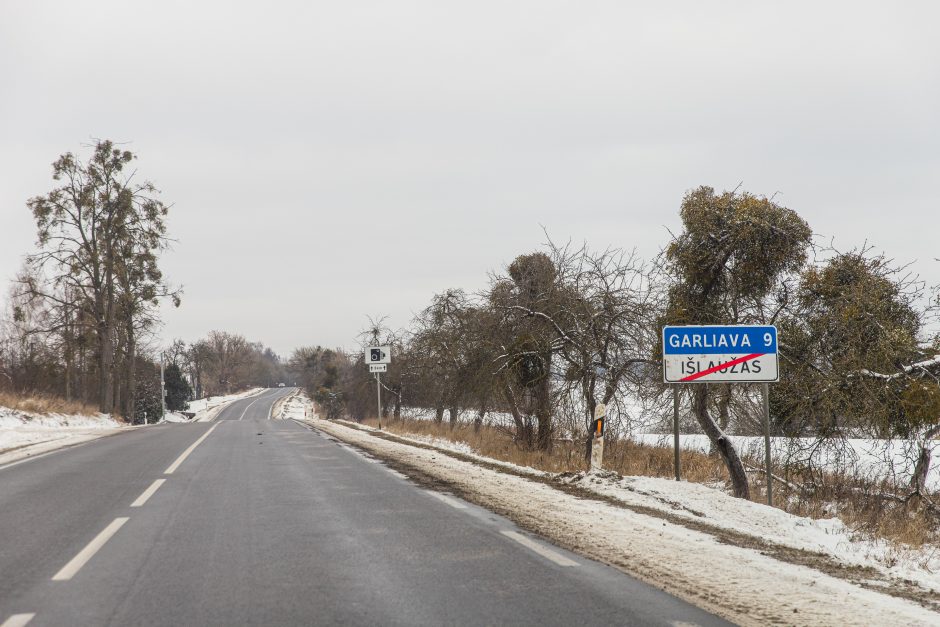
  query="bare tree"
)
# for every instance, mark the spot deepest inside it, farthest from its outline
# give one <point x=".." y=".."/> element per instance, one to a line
<point x="92" y="230"/>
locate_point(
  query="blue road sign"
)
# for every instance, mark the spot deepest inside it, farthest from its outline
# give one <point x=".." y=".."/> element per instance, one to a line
<point x="701" y="354"/>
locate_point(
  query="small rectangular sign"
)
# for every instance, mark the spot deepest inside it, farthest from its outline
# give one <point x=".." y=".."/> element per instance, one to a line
<point x="378" y="355"/>
<point x="378" y="367"/>
<point x="709" y="354"/>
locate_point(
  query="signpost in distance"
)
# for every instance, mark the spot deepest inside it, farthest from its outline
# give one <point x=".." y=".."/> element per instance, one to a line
<point x="378" y="358"/>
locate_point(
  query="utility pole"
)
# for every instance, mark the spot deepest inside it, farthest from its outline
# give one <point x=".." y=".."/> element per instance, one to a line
<point x="162" y="390"/>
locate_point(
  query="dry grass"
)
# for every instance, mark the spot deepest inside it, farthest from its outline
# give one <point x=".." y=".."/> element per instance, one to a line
<point x="853" y="499"/>
<point x="622" y="456"/>
<point x="42" y="404"/>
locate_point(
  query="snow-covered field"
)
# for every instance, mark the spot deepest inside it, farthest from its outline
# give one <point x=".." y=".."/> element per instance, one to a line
<point x="873" y="458"/>
<point x="749" y="579"/>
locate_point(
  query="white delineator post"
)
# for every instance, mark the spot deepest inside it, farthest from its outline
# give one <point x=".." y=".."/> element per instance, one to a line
<point x="597" y="445"/>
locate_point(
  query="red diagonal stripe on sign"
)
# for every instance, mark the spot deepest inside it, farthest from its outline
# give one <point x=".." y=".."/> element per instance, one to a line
<point x="698" y="375"/>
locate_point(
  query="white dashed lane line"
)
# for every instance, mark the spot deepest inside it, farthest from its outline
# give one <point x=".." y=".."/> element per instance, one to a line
<point x="182" y="458"/>
<point x="69" y="570"/>
<point x="545" y="552"/>
<point x="18" y="620"/>
<point x="148" y="493"/>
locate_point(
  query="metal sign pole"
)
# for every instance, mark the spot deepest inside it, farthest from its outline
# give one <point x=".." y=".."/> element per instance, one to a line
<point x="378" y="392"/>
<point x="675" y="431"/>
<point x="162" y="390"/>
<point x="765" y="389"/>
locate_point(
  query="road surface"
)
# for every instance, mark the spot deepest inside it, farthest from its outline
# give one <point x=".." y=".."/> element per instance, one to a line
<point x="249" y="521"/>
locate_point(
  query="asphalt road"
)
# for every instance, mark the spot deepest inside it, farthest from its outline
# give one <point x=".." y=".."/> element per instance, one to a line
<point x="270" y="523"/>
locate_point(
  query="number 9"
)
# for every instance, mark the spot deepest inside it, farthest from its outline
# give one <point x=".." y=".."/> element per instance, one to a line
<point x="768" y="339"/>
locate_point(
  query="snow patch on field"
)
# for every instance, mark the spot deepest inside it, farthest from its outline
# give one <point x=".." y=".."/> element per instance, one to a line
<point x="874" y="458"/>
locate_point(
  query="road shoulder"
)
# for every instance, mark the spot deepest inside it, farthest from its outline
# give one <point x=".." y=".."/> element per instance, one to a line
<point x="749" y="582"/>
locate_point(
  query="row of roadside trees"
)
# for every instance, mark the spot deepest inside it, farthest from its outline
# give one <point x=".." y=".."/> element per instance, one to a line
<point x="566" y="328"/>
<point x="83" y="311"/>
<point x="87" y="297"/>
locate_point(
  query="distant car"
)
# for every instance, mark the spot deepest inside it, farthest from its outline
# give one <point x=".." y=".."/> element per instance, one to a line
<point x="280" y="385"/>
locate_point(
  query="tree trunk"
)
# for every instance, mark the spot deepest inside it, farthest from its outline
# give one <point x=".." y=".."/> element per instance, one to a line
<point x="543" y="407"/>
<point x="522" y="434"/>
<point x="478" y="420"/>
<point x="130" y="373"/>
<point x="720" y="442"/>
<point x="922" y="467"/>
<point x="454" y="415"/>
<point x="105" y="363"/>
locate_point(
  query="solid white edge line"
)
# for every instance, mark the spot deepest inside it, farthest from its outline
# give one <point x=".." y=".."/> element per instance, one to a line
<point x="69" y="570"/>
<point x="148" y="493"/>
<point x="547" y="553"/>
<point x="192" y="447"/>
<point x="18" y="620"/>
<point x="449" y="500"/>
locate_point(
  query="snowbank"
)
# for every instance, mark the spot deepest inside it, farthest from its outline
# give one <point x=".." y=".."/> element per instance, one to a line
<point x="294" y="407"/>
<point x="24" y="434"/>
<point x="207" y="408"/>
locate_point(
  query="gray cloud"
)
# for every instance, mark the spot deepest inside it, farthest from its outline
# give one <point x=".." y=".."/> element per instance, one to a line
<point x="331" y="160"/>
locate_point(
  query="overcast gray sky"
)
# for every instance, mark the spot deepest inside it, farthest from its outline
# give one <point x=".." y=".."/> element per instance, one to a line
<point x="329" y="160"/>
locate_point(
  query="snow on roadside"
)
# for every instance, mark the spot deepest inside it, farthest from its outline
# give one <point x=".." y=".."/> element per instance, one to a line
<point x="829" y="536"/>
<point x="739" y="583"/>
<point x="295" y="406"/>
<point x="23" y="434"/>
<point x="26" y="434"/>
<point x="207" y="408"/>
<point x="712" y="505"/>
<point x="458" y="447"/>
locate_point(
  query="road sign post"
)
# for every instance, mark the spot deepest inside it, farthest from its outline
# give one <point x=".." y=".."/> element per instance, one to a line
<point x="765" y="392"/>
<point x="722" y="354"/>
<point x="675" y="431"/>
<point x="378" y="392"/>
<point x="162" y="390"/>
<point x="378" y="358"/>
